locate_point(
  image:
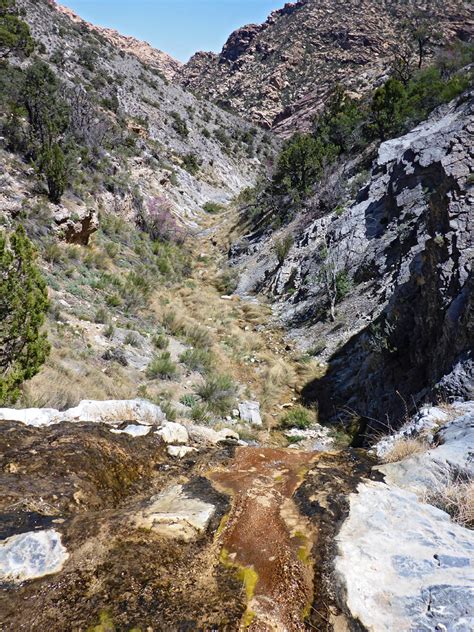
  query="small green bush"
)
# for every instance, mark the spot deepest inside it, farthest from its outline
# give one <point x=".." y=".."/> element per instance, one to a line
<point x="197" y="360"/>
<point x="199" y="337"/>
<point x="132" y="339"/>
<point x="200" y="413"/>
<point x="101" y="315"/>
<point x="219" y="392"/>
<point x="213" y="207"/>
<point x="163" y="367"/>
<point x="227" y="281"/>
<point x="188" y="400"/>
<point x="160" y="341"/>
<point x="297" y="417"/>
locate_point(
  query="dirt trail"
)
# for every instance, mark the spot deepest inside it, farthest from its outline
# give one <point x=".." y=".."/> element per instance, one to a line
<point x="266" y="537"/>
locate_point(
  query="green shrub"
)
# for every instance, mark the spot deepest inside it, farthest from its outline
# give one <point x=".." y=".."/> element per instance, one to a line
<point x="344" y="285"/>
<point x="200" y="413"/>
<point x="213" y="207"/>
<point x="162" y="366"/>
<point x="101" y="316"/>
<point x="297" y="417"/>
<point x="188" y="400"/>
<point x="227" y="281"/>
<point x="219" y="392"/>
<point x="191" y="163"/>
<point x="15" y="37"/>
<point x="132" y="339"/>
<point x="283" y="247"/>
<point x="160" y="341"/>
<point x="23" y="307"/>
<point x="197" y="360"/>
<point x="179" y="124"/>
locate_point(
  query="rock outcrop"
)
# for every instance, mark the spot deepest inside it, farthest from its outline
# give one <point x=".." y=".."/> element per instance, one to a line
<point x="143" y="51"/>
<point x="280" y="72"/>
<point x="406" y="243"/>
<point x="402" y="563"/>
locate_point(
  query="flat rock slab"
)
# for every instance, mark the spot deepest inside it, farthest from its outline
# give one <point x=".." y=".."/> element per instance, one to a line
<point x="31" y="555"/>
<point x="250" y="412"/>
<point x="133" y="430"/>
<point x="111" y="412"/>
<point x="405" y="565"/>
<point x="175" y="514"/>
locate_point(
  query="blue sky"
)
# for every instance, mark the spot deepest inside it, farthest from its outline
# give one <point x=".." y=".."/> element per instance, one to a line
<point x="179" y="27"/>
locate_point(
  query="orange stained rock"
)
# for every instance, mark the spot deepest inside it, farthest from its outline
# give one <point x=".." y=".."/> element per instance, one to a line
<point x="265" y="533"/>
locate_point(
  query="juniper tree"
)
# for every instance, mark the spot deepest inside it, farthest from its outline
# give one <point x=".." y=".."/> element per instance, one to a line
<point x="23" y="305"/>
<point x="15" y="37"/>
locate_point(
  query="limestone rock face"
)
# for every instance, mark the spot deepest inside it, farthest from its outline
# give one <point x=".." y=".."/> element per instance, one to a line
<point x="281" y="71"/>
<point x="250" y="412"/>
<point x="406" y="241"/>
<point x="404" y="565"/>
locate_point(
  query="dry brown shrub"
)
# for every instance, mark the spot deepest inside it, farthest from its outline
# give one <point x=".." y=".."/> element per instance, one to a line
<point x="405" y="447"/>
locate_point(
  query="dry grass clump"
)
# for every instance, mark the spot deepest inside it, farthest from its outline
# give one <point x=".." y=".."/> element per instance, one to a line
<point x="405" y="447"/>
<point x="455" y="496"/>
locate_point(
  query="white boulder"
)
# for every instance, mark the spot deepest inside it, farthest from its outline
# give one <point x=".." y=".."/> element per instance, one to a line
<point x="179" y="451"/>
<point x="203" y="435"/>
<point x="250" y="412"/>
<point x="31" y="555"/>
<point x="173" y="433"/>
<point x="133" y="430"/>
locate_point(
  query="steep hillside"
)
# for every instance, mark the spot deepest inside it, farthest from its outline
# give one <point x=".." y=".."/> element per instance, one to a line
<point x="187" y="150"/>
<point x="145" y="53"/>
<point x="280" y="72"/>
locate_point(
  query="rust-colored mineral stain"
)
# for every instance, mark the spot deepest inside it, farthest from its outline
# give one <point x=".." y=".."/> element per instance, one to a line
<point x="265" y="532"/>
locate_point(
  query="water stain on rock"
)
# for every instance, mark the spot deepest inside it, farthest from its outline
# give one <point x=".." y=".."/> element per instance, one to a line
<point x="266" y="538"/>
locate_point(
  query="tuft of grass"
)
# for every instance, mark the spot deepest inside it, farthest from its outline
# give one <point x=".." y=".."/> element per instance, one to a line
<point x="109" y="331"/>
<point x="454" y="495"/>
<point x="188" y="400"/>
<point x="219" y="392"/>
<point x="172" y="324"/>
<point x="101" y="316"/>
<point x="405" y="447"/>
<point x="200" y="413"/>
<point x="132" y="339"/>
<point x="197" y="360"/>
<point x="163" y="367"/>
<point x="298" y="417"/>
<point x="199" y="337"/>
<point x="160" y="341"/>
<point x="227" y="281"/>
<point x="169" y="410"/>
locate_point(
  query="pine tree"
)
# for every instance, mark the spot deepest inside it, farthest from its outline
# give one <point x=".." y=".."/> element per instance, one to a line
<point x="23" y="305"/>
<point x="15" y="37"/>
